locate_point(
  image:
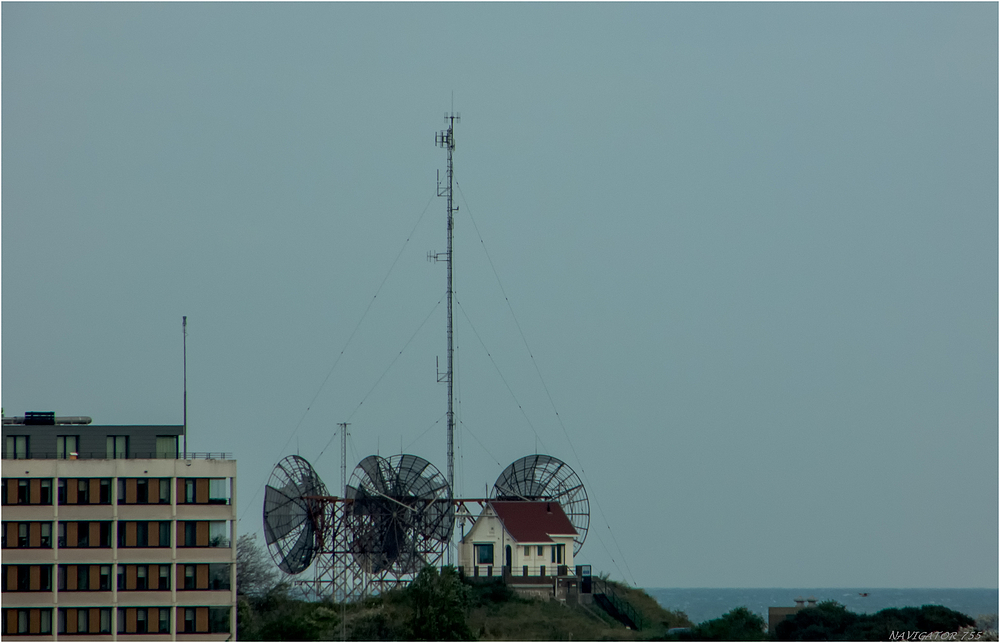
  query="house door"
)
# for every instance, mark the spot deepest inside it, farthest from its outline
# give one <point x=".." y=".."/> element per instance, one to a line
<point x="509" y="561"/>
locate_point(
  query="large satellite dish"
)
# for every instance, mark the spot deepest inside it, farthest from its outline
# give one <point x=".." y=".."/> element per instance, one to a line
<point x="293" y="514"/>
<point x="542" y="477"/>
<point x="401" y="517"/>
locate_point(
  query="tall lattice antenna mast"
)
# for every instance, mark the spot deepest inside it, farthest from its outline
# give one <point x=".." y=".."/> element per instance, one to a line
<point x="446" y="139"/>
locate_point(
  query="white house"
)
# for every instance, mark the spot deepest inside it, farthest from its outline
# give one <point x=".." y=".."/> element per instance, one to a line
<point x="529" y="538"/>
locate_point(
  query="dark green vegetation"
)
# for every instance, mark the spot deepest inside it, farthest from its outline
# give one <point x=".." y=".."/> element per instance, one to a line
<point x="830" y="621"/>
<point x="440" y="606"/>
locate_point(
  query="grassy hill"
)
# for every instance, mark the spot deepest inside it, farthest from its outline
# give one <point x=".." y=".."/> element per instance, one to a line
<point x="486" y="612"/>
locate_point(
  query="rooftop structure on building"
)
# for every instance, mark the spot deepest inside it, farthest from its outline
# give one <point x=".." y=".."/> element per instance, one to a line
<point x="110" y="531"/>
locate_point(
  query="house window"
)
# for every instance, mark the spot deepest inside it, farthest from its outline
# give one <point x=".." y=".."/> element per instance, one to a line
<point x="527" y="551"/>
<point x="16" y="447"/>
<point x="484" y="554"/>
<point x="117" y="447"/>
<point x="166" y="446"/>
<point x="556" y="554"/>
<point x="541" y="550"/>
<point x="66" y="445"/>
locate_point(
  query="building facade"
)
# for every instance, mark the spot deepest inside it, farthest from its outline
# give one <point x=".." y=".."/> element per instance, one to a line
<point x="110" y="534"/>
<point x="519" y="538"/>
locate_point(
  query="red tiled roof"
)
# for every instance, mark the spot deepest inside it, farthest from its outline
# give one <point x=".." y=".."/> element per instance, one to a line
<point x="532" y="522"/>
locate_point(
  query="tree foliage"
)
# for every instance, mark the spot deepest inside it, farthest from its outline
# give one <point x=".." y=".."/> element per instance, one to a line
<point x="439" y="603"/>
<point x="739" y="624"/>
<point x="256" y="575"/>
<point x="830" y="621"/>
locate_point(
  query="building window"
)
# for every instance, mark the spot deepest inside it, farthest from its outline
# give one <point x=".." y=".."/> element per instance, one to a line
<point x="105" y="578"/>
<point x="46" y="488"/>
<point x="218" y="491"/>
<point x="62" y="534"/>
<point x="164" y="577"/>
<point x="188" y="619"/>
<point x="83" y="534"/>
<point x="218" y="533"/>
<point x="140" y="620"/>
<point x="121" y="620"/>
<point x="541" y="550"/>
<point x="105" y="491"/>
<point x="484" y="554"/>
<point x="82" y="577"/>
<point x="218" y="619"/>
<point x="22" y="534"/>
<point x="189" y="490"/>
<point x="61" y="491"/>
<point x="22" y="621"/>
<point x="164" y="491"/>
<point x="166" y="446"/>
<point x="46" y="534"/>
<point x="141" y="534"/>
<point x="106" y="620"/>
<point x="218" y="576"/>
<point x="117" y="447"/>
<point x="67" y="445"/>
<point x="16" y="447"/>
<point x="121" y="584"/>
<point x="190" y="533"/>
<point x="23" y="574"/>
<point x="142" y="491"/>
<point x="45" y="626"/>
<point x="83" y="491"/>
<point x="165" y="533"/>
<point x="141" y="577"/>
<point x="82" y="626"/>
<point x="22" y="492"/>
<point x="189" y="576"/>
<point x="164" y="620"/>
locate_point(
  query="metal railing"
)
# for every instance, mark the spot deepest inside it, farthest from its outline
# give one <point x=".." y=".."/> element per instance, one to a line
<point x="142" y="455"/>
<point x="616" y="605"/>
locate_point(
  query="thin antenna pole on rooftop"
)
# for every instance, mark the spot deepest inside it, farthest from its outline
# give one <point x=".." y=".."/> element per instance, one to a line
<point x="184" y="327"/>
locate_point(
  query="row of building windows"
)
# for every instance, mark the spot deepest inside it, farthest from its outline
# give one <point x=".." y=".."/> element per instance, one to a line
<point x="131" y="620"/>
<point x="130" y="577"/>
<point x="131" y="491"/>
<point x="18" y="447"/>
<point x="131" y="533"/>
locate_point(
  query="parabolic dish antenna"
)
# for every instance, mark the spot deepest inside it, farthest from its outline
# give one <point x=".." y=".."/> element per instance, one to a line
<point x="293" y="514"/>
<point x="401" y="517"/>
<point x="542" y="477"/>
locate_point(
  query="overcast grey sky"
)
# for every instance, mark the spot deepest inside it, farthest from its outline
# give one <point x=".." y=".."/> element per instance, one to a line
<point x="752" y="249"/>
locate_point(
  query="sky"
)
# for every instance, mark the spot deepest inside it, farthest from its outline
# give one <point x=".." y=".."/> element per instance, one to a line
<point x="736" y="264"/>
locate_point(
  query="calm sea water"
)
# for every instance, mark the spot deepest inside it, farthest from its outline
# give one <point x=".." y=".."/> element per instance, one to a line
<point x="705" y="604"/>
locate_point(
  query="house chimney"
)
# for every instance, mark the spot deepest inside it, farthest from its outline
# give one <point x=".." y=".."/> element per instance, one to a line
<point x="548" y="507"/>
